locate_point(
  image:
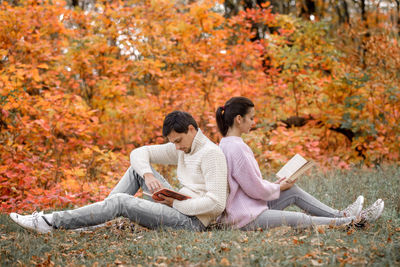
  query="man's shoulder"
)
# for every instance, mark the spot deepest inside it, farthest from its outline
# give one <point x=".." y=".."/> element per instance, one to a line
<point x="211" y="147"/>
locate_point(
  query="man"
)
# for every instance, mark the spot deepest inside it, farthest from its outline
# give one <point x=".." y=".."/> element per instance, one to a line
<point x="201" y="170"/>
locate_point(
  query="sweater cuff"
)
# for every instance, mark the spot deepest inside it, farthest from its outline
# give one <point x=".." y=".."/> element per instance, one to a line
<point x="277" y="192"/>
<point x="174" y="204"/>
<point x="141" y="172"/>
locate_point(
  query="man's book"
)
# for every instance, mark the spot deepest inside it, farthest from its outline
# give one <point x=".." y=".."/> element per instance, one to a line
<point x="295" y="167"/>
<point x="168" y="193"/>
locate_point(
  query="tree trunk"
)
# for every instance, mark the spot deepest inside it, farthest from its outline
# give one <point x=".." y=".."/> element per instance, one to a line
<point x="308" y="8"/>
<point x="366" y="35"/>
<point x="346" y="12"/>
<point x="398" y="16"/>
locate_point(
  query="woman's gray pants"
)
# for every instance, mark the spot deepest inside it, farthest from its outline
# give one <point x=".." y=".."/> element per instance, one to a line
<point x="275" y="216"/>
<point x="121" y="202"/>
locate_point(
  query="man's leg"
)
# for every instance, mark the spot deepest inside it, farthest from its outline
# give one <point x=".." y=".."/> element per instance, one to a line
<point x="131" y="181"/>
<point x="296" y="196"/>
<point x="275" y="218"/>
<point x="144" y="212"/>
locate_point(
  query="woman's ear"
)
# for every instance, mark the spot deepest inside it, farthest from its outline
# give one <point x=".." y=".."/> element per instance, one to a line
<point x="238" y="119"/>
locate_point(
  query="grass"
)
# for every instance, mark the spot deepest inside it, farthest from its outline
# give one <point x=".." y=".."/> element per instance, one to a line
<point x="122" y="243"/>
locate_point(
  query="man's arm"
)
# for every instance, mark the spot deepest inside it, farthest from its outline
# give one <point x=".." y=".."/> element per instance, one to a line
<point x="214" y="170"/>
<point x="141" y="159"/>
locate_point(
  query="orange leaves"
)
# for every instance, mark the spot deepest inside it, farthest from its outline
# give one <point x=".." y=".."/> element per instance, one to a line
<point x="76" y="85"/>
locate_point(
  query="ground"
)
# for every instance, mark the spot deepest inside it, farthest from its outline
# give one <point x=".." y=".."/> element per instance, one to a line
<point x="123" y="243"/>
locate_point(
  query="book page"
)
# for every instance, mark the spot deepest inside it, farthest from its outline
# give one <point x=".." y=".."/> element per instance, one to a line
<point x="301" y="171"/>
<point x="291" y="166"/>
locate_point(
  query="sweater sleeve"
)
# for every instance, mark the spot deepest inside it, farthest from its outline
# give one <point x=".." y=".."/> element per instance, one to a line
<point x="247" y="174"/>
<point x="142" y="157"/>
<point x="214" y="171"/>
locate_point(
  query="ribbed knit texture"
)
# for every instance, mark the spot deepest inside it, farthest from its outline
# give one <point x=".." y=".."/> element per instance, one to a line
<point x="249" y="193"/>
<point x="202" y="174"/>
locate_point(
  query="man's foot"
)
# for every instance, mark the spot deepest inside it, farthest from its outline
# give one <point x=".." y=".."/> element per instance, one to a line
<point x="372" y="213"/>
<point x="35" y="221"/>
<point x="354" y="209"/>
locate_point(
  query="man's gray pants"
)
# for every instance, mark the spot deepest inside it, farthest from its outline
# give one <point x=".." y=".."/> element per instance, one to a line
<point x="121" y="202"/>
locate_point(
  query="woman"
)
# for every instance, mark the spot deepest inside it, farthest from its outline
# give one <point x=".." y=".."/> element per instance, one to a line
<point x="254" y="202"/>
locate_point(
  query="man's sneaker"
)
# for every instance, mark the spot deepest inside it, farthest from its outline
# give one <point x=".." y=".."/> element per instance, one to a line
<point x="372" y="213"/>
<point x="354" y="209"/>
<point x="35" y="222"/>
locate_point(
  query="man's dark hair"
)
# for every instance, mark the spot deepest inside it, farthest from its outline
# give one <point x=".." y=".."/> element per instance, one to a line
<point x="178" y="121"/>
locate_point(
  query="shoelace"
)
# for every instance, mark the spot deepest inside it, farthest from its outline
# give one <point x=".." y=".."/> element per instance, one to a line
<point x="347" y="211"/>
<point x="35" y="218"/>
<point x="369" y="212"/>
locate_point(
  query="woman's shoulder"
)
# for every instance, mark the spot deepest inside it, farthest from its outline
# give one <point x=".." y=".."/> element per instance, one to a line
<point x="233" y="145"/>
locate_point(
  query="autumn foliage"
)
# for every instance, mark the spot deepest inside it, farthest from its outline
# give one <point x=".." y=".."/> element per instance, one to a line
<point x="81" y="88"/>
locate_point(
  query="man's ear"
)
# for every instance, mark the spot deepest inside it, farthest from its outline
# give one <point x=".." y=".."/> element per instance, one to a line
<point x="191" y="128"/>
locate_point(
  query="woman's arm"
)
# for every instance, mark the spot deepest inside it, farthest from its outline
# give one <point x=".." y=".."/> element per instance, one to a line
<point x="246" y="173"/>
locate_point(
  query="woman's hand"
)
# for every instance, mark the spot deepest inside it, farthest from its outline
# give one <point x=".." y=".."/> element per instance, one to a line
<point x="280" y="180"/>
<point x="285" y="185"/>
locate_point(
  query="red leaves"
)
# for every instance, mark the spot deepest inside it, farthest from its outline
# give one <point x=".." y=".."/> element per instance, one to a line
<point x="77" y="85"/>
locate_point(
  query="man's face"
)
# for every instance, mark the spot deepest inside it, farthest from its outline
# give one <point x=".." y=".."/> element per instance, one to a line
<point x="183" y="141"/>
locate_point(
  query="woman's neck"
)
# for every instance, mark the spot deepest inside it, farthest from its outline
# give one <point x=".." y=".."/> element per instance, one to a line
<point x="234" y="131"/>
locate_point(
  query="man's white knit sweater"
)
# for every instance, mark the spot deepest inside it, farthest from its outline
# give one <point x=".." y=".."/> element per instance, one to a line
<point x="202" y="174"/>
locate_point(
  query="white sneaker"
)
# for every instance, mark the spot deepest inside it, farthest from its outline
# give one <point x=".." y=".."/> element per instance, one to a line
<point x="354" y="209"/>
<point x="34" y="222"/>
<point x="372" y="213"/>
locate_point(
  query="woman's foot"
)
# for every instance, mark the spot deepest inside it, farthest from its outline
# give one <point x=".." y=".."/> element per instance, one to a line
<point x="354" y="209"/>
<point x="371" y="214"/>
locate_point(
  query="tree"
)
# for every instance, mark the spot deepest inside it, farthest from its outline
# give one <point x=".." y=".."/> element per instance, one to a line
<point x="81" y="87"/>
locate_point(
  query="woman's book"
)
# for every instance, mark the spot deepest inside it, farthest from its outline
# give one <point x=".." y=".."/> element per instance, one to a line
<point x="295" y="167"/>
<point x="168" y="193"/>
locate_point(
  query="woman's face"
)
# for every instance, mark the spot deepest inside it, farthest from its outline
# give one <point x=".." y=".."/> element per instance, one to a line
<point x="247" y="121"/>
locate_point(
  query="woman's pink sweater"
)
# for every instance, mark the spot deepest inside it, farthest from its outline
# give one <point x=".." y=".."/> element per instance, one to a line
<point x="248" y="193"/>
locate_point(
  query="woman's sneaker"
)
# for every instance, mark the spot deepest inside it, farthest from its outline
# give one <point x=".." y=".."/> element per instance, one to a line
<point x="35" y="221"/>
<point x="371" y="214"/>
<point x="354" y="209"/>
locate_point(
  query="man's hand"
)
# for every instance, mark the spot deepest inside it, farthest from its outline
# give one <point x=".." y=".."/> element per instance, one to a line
<point x="152" y="183"/>
<point x="285" y="185"/>
<point x="166" y="200"/>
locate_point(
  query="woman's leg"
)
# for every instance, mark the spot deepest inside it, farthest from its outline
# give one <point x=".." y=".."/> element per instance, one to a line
<point x="275" y="218"/>
<point x="296" y="196"/>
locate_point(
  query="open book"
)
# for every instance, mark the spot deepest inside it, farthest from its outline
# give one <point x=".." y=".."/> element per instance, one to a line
<point x="166" y="192"/>
<point x="295" y="167"/>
